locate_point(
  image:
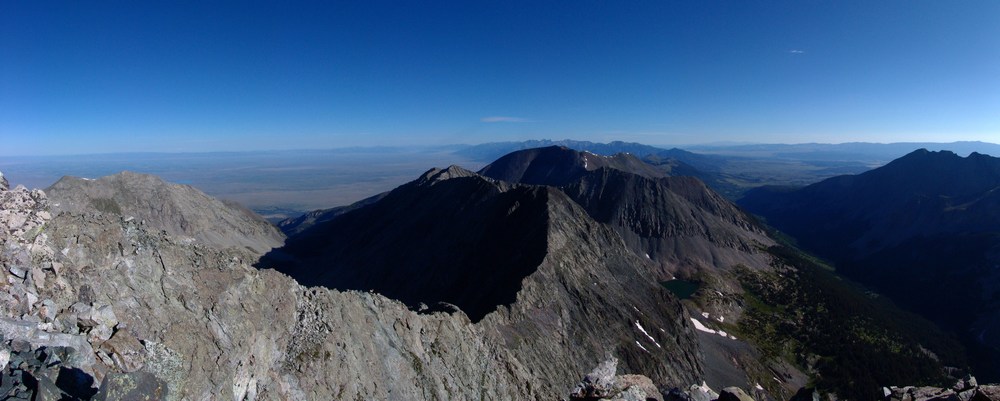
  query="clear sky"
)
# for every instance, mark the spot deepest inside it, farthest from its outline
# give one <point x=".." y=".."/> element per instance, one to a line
<point x="86" y="77"/>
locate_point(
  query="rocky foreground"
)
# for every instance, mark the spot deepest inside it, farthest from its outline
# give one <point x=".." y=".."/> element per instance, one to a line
<point x="105" y="300"/>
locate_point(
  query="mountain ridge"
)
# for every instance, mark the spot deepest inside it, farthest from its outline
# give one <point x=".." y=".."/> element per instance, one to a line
<point x="925" y="223"/>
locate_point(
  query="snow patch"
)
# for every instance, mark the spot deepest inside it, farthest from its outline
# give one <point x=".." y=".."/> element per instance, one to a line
<point x="704" y="387"/>
<point x="698" y="325"/>
<point x="704" y="315"/>
<point x="721" y="319"/>
<point x="640" y="346"/>
<point x="647" y="256"/>
<point x="701" y="327"/>
<point x="647" y="334"/>
<point x="758" y="386"/>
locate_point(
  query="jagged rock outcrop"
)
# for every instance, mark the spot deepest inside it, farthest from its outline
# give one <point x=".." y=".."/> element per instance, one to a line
<point x="966" y="389"/>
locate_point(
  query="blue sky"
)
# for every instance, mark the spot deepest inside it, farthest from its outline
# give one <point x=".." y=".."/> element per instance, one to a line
<point x="92" y="77"/>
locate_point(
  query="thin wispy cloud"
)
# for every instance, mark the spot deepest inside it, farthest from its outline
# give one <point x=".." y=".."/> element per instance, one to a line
<point x="503" y="119"/>
<point x="797" y="51"/>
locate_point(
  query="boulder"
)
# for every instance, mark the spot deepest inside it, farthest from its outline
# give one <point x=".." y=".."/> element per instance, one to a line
<point x="27" y="336"/>
<point x="734" y="394"/>
<point x="639" y="382"/>
<point x="966" y="383"/>
<point x="125" y="351"/>
<point x="702" y="393"/>
<point x="599" y="383"/>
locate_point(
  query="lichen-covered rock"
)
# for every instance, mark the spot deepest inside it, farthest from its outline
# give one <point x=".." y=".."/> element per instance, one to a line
<point x="135" y="386"/>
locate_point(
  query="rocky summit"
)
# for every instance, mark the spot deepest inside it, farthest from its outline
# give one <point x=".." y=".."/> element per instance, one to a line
<point x="127" y="287"/>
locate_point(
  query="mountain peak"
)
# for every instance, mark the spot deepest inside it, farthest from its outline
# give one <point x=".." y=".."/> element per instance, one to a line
<point x="436" y="175"/>
<point x="559" y="165"/>
<point x="180" y="210"/>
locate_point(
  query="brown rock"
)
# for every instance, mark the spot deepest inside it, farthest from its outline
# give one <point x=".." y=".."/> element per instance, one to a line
<point x="125" y="350"/>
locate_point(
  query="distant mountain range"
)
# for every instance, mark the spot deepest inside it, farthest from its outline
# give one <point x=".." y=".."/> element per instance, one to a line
<point x="732" y="170"/>
<point x="874" y="153"/>
<point x="923" y="229"/>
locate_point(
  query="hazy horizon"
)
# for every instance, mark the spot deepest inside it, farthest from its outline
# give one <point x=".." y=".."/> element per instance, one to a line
<point x="452" y="146"/>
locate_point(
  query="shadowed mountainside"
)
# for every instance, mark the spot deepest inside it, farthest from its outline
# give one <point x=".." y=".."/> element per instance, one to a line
<point x="927" y="223"/>
<point x="676" y="221"/>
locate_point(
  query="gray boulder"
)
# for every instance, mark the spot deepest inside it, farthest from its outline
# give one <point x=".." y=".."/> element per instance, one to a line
<point x="599" y="383"/>
<point x="702" y="393"/>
